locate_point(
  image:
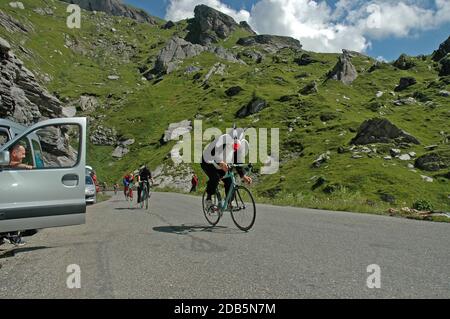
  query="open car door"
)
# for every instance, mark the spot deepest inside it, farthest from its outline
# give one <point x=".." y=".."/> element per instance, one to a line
<point x="52" y="193"/>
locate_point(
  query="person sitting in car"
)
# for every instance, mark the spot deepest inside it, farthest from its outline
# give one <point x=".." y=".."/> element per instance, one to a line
<point x="17" y="154"/>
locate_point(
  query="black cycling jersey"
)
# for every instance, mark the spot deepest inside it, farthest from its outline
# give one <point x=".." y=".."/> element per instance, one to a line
<point x="145" y="174"/>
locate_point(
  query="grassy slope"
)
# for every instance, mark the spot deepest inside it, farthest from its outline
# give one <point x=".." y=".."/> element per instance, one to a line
<point x="143" y="110"/>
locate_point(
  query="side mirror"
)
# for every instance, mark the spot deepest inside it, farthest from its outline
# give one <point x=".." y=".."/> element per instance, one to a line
<point x="4" y="158"/>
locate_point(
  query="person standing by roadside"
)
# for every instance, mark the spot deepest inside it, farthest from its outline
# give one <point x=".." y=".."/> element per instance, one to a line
<point x="194" y="183"/>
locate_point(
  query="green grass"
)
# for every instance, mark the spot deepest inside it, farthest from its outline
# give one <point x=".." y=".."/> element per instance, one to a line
<point x="142" y="110"/>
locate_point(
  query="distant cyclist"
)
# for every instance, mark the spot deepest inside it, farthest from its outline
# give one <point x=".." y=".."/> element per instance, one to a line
<point x="127" y="186"/>
<point x="144" y="177"/>
<point x="230" y="148"/>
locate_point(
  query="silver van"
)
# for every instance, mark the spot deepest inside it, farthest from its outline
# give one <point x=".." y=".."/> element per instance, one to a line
<point x="52" y="193"/>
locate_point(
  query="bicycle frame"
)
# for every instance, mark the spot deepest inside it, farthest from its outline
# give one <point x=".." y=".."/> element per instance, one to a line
<point x="229" y="174"/>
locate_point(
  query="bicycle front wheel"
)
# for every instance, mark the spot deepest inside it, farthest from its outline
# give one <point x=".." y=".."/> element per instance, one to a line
<point x="212" y="213"/>
<point x="243" y="210"/>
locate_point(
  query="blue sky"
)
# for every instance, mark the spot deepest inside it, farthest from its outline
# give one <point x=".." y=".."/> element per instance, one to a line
<point x="407" y="32"/>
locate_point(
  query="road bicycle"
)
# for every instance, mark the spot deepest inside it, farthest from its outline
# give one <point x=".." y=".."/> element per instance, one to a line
<point x="145" y="195"/>
<point x="239" y="202"/>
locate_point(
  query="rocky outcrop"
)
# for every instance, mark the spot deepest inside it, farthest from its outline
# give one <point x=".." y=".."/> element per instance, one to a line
<point x="46" y="11"/>
<point x="177" y="50"/>
<point x="404" y="62"/>
<point x="120" y="151"/>
<point x="169" y="25"/>
<point x="175" y="130"/>
<point x="244" y="25"/>
<point x="251" y="54"/>
<point x="443" y="50"/>
<point x="254" y="106"/>
<point x="103" y="136"/>
<point x="433" y="161"/>
<point x="178" y="177"/>
<point x="271" y="43"/>
<point x="87" y="103"/>
<point x="344" y="70"/>
<point x="405" y="82"/>
<point x="22" y="99"/>
<point x="115" y="8"/>
<point x="234" y="90"/>
<point x="12" y="25"/>
<point x="55" y="143"/>
<point x="304" y="59"/>
<point x="209" y="25"/>
<point x="217" y="68"/>
<point x="17" y="5"/>
<point x="310" y="88"/>
<point x="380" y="130"/>
<point x="445" y="66"/>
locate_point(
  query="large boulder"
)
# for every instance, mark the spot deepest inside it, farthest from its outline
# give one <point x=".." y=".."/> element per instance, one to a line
<point x="175" y="130"/>
<point x="304" y="59"/>
<point x="405" y="82"/>
<point x="234" y="90"/>
<point x="209" y="25"/>
<point x="310" y="88"/>
<point x="120" y="151"/>
<point x="22" y="98"/>
<point x="433" y="161"/>
<point x="254" y="106"/>
<point x="344" y="70"/>
<point x="404" y="62"/>
<point x="443" y="50"/>
<point x="251" y="54"/>
<point x="87" y="103"/>
<point x="175" y="51"/>
<point x="4" y="47"/>
<point x="381" y="130"/>
<point x="272" y="43"/>
<point x="115" y="8"/>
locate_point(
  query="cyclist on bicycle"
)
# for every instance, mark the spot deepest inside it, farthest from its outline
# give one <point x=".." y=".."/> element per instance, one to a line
<point x="144" y="177"/>
<point x="225" y="149"/>
<point x="127" y="186"/>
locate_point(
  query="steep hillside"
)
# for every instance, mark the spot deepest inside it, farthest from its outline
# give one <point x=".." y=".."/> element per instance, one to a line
<point x="134" y="79"/>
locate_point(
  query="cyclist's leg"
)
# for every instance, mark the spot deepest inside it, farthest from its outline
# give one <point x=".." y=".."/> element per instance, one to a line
<point x="213" y="179"/>
<point x="148" y="188"/>
<point x="139" y="191"/>
<point x="227" y="183"/>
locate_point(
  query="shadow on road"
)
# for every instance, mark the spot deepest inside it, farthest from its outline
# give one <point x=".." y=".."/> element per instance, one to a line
<point x="14" y="251"/>
<point x="186" y="229"/>
<point x="127" y="208"/>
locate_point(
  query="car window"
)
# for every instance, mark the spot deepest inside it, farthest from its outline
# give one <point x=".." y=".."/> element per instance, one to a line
<point x="38" y="158"/>
<point x="53" y="146"/>
<point x="89" y="181"/>
<point x="3" y="138"/>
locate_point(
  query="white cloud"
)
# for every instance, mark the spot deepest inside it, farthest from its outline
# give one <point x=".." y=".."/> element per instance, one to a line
<point x="319" y="27"/>
<point x="183" y="9"/>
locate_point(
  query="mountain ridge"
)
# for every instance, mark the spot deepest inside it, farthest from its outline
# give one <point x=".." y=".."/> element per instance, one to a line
<point x="103" y="71"/>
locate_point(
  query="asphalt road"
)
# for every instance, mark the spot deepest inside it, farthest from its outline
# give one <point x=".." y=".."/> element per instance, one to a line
<point x="170" y="252"/>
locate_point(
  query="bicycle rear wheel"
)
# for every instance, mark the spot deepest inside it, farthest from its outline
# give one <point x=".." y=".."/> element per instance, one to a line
<point x="147" y="196"/>
<point x="212" y="214"/>
<point x="243" y="210"/>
